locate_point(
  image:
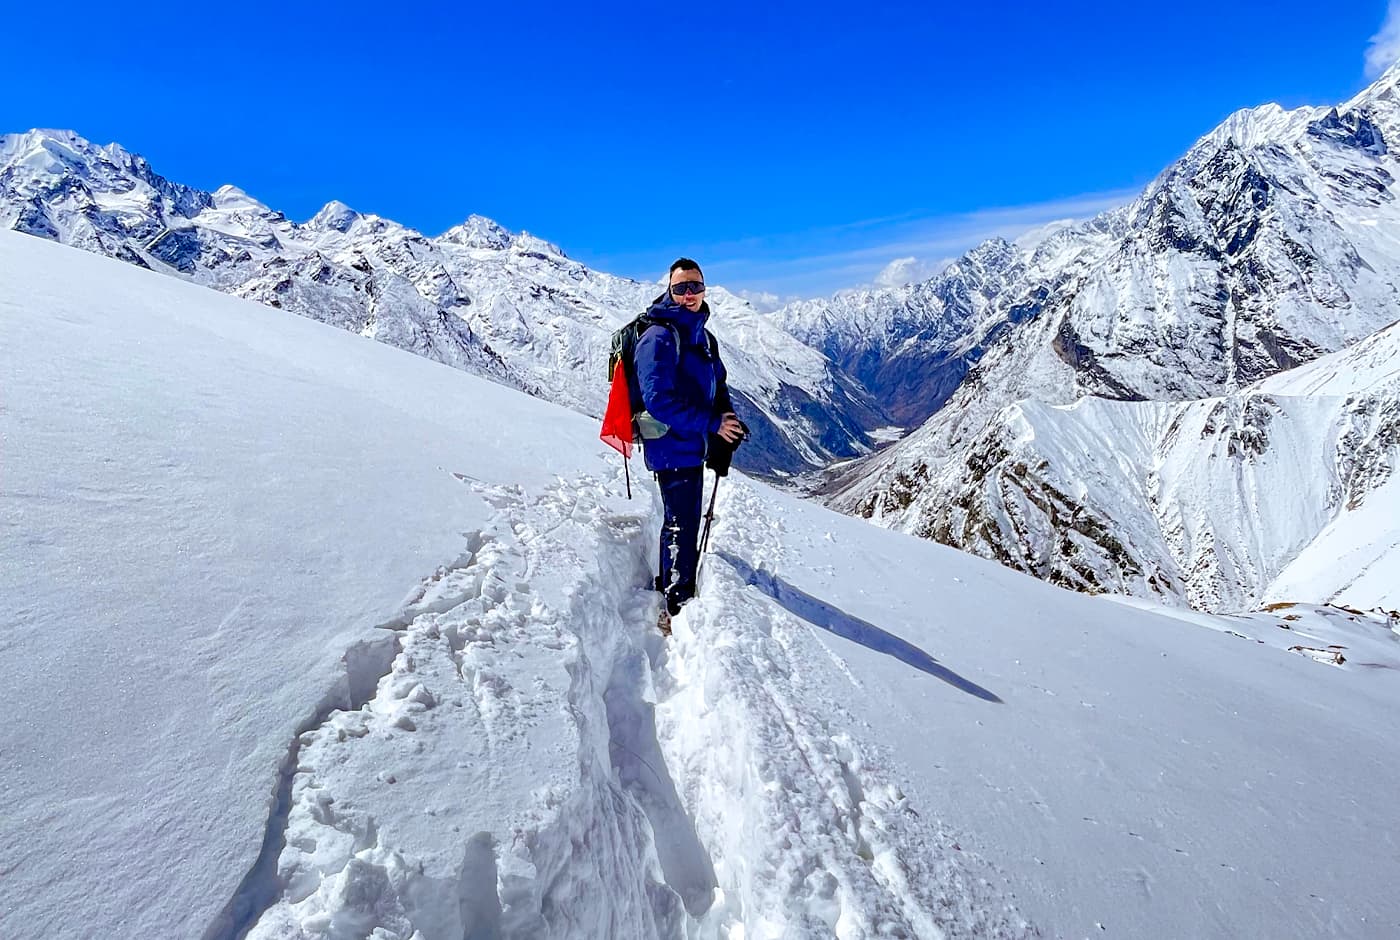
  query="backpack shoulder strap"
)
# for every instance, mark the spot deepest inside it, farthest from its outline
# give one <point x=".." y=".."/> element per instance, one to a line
<point x="714" y="343"/>
<point x="645" y="323"/>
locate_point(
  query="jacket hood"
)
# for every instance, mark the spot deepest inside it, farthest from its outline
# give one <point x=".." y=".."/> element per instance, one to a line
<point x="665" y="308"/>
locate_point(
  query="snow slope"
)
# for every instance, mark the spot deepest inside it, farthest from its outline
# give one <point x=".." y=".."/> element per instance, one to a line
<point x="211" y="509"/>
<point x="312" y="641"/>
<point x="1280" y="492"/>
<point x="1142" y="776"/>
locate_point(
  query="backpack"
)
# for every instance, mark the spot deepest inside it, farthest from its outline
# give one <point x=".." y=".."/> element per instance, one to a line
<point x="626" y="418"/>
<point x="624" y="351"/>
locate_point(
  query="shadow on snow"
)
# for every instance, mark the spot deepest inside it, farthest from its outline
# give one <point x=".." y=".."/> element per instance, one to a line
<point x="837" y="621"/>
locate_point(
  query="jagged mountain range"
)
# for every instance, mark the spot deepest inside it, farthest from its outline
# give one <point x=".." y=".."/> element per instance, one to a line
<point x="507" y="306"/>
<point x="1092" y="405"/>
<point x="1216" y="501"/>
<point x="913" y="345"/>
<point x="1274" y="241"/>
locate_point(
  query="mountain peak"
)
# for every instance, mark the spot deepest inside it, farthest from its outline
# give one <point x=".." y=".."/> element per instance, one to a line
<point x="231" y="197"/>
<point x="46" y="149"/>
<point x="38" y="134"/>
<point x="334" y="215"/>
<point x="1385" y="89"/>
<point x="64" y="144"/>
<point x="1268" y="123"/>
<point x="995" y="249"/>
<point x="479" y="232"/>
<point x="990" y="257"/>
<point x="525" y="242"/>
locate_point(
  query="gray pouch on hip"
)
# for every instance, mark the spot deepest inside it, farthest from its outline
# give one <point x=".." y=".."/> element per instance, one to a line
<point x="648" y="427"/>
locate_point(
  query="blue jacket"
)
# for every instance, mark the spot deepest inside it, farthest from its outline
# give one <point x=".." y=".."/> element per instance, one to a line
<point x="683" y="388"/>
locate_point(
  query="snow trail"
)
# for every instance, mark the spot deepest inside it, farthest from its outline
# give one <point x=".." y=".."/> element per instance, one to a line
<point x="809" y="834"/>
<point x="365" y="664"/>
<point x="395" y="828"/>
<point x="706" y="787"/>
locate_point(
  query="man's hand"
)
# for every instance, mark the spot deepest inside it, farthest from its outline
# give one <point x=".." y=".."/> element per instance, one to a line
<point x="730" y="428"/>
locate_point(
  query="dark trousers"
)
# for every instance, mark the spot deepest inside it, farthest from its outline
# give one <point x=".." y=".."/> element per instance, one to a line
<point x="682" y="492"/>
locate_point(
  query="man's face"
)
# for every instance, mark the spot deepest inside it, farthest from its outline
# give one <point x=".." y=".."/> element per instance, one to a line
<point x="690" y="302"/>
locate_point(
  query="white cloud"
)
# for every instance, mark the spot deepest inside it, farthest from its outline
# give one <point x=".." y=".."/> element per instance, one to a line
<point x="1031" y="239"/>
<point x="908" y="270"/>
<point x="764" y="301"/>
<point x="1384" y="50"/>
<point x="819" y="262"/>
<point x="816" y="263"/>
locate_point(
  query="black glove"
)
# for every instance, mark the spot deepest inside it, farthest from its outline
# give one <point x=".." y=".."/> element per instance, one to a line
<point x="721" y="452"/>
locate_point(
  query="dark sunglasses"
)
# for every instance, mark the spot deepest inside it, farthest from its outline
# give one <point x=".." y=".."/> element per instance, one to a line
<point x="688" y="287"/>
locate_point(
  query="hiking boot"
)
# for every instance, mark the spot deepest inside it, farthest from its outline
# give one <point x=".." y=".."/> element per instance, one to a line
<point x="677" y="596"/>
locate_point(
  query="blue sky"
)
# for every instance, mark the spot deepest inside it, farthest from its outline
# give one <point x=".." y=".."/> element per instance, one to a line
<point x="792" y="148"/>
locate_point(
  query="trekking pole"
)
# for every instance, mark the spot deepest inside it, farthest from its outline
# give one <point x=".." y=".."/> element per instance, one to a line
<point x="720" y="454"/>
<point x="709" y="516"/>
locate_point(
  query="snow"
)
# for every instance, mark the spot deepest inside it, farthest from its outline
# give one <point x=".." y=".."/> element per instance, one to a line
<point x="233" y="199"/>
<point x="209" y="502"/>
<point x="1338" y="635"/>
<point x="1364" y="546"/>
<point x="1371" y="363"/>
<point x="316" y="638"/>
<point x="888" y="434"/>
<point x="473" y="833"/>
<point x="1142" y="773"/>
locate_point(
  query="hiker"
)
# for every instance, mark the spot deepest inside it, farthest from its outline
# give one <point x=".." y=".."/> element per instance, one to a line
<point x="685" y="392"/>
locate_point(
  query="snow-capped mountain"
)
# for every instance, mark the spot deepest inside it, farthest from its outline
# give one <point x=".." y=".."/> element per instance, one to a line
<point x="1280" y="492"/>
<point x="310" y="638"/>
<point x="911" y="345"/>
<point x="1274" y="241"/>
<point x="510" y="307"/>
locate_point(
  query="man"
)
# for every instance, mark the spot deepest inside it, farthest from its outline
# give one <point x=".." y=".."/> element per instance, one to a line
<point x="687" y="402"/>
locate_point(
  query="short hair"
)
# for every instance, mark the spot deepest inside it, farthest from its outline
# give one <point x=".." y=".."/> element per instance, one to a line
<point x="684" y="264"/>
